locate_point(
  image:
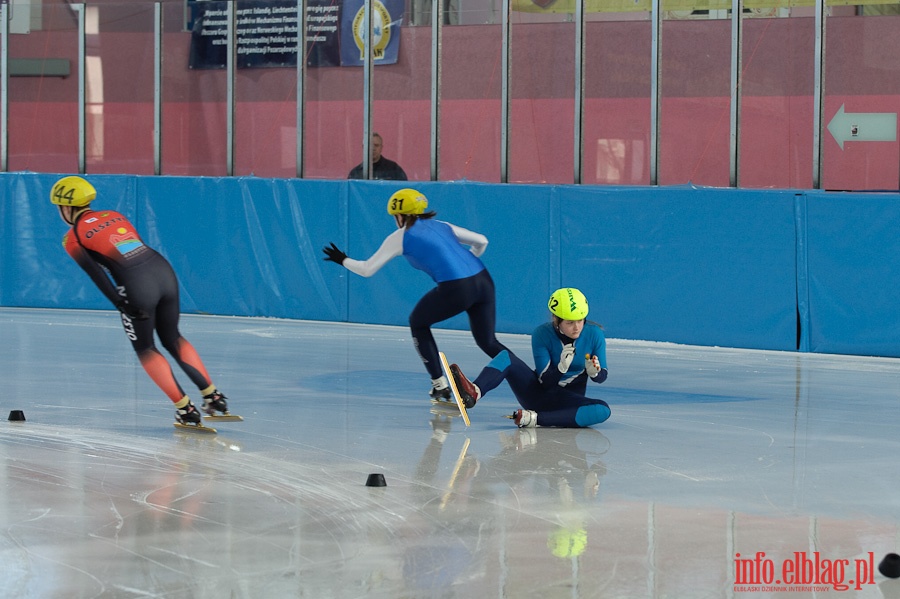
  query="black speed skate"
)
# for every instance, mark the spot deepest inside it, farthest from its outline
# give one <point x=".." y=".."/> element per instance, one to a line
<point x="189" y="418"/>
<point x="188" y="414"/>
<point x="444" y="395"/>
<point x="215" y="402"/>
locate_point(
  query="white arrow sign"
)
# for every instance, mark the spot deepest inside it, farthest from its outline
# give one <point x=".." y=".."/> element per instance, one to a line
<point x="863" y="126"/>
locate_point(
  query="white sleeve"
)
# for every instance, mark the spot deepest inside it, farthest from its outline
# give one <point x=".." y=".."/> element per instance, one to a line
<point x="478" y="241"/>
<point x="390" y="248"/>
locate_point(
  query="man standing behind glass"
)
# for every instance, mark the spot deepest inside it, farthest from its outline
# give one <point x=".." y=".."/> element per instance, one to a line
<point x="382" y="168"/>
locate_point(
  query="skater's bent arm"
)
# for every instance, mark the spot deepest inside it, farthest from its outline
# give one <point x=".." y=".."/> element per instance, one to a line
<point x="390" y="249"/>
<point x="96" y="272"/>
<point x="477" y="241"/>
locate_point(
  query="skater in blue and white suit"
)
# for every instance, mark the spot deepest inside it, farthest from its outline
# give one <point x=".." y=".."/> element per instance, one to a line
<point x="463" y="283"/>
<point x="567" y="352"/>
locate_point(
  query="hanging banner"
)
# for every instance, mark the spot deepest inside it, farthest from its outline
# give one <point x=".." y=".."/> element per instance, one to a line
<point x="266" y="33"/>
<point x="681" y="6"/>
<point x="387" y="16"/>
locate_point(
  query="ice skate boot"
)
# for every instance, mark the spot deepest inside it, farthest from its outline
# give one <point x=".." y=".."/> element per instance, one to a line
<point x="441" y="395"/>
<point x="524" y="418"/>
<point x="468" y="391"/>
<point x="215" y="402"/>
<point x="189" y="418"/>
<point x="188" y="415"/>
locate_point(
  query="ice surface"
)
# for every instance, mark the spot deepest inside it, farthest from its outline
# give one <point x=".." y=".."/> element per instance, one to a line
<point x="709" y="453"/>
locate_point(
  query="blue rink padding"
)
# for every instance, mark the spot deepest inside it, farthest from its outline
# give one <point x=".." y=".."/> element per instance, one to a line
<point x="854" y="273"/>
<point x="759" y="269"/>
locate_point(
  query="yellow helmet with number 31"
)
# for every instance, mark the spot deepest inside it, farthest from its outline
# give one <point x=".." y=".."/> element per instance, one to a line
<point x="568" y="303"/>
<point x="407" y="201"/>
<point x="72" y="191"/>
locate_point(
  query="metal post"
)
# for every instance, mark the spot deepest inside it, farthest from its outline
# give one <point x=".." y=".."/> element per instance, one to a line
<point x="504" y="93"/>
<point x="655" y="49"/>
<point x="818" y="93"/>
<point x="82" y="104"/>
<point x="4" y="87"/>
<point x="737" y="26"/>
<point x="367" y="90"/>
<point x="578" y="134"/>
<point x="231" y="42"/>
<point x="301" y="84"/>
<point x="157" y="88"/>
<point x="437" y="21"/>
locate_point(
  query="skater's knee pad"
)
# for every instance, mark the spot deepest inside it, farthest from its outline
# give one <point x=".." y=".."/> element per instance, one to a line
<point x="592" y="414"/>
<point x="500" y="361"/>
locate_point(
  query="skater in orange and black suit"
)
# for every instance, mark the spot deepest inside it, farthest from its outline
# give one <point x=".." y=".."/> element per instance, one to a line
<point x="143" y="288"/>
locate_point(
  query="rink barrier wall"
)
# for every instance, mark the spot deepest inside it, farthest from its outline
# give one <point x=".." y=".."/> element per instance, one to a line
<point x="759" y="269"/>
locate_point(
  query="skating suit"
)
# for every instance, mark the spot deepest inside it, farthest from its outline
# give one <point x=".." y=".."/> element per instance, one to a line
<point x="463" y="283"/>
<point x="558" y="398"/>
<point x="105" y="244"/>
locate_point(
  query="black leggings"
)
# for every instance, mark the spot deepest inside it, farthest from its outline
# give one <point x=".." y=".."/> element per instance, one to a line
<point x="473" y="295"/>
<point x="153" y="287"/>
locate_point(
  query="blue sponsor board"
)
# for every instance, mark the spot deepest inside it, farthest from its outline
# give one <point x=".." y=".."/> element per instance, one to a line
<point x="267" y="33"/>
<point x="387" y="17"/>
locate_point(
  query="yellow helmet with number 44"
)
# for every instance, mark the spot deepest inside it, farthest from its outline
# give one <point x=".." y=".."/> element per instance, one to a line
<point x="72" y="191"/>
<point x="568" y="303"/>
<point x="407" y="201"/>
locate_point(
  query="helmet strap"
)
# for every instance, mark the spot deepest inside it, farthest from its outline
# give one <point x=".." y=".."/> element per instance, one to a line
<point x="72" y="212"/>
<point x="562" y="336"/>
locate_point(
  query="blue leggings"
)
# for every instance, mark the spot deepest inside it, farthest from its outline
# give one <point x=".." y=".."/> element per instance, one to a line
<point x="557" y="407"/>
<point x="473" y="295"/>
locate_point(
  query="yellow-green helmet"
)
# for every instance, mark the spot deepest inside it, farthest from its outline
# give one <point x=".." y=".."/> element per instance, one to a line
<point x="72" y="191"/>
<point x="568" y="303"/>
<point x="566" y="542"/>
<point x="407" y="201"/>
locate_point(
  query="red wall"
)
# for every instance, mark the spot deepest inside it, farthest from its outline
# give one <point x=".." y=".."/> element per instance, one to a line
<point x="776" y="133"/>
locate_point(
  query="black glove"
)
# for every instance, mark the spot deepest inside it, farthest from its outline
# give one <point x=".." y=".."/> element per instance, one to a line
<point x="334" y="254"/>
<point x="132" y="312"/>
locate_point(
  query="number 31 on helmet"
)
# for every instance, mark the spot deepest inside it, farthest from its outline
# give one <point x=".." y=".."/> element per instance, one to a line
<point x="407" y="201"/>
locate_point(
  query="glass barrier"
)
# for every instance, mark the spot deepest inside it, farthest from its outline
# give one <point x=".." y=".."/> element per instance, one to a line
<point x="401" y="108"/>
<point x="43" y="109"/>
<point x="470" y="100"/>
<point x="265" y="90"/>
<point x="778" y="83"/>
<point x="862" y="84"/>
<point x="776" y="128"/>
<point x="617" y="106"/>
<point x="542" y="98"/>
<point x="119" y="68"/>
<point x="194" y="93"/>
<point x="695" y="91"/>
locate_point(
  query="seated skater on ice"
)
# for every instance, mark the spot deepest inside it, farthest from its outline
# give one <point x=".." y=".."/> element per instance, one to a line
<point x="463" y="283"/>
<point x="143" y="288"/>
<point x="553" y="393"/>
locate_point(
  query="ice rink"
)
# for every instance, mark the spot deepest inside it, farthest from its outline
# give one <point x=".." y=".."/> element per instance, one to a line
<point x="721" y="473"/>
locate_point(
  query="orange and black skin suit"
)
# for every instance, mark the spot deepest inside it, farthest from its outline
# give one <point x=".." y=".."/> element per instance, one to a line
<point x="105" y="244"/>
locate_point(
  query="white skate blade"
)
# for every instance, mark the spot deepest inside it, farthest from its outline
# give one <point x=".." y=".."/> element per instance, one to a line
<point x="224" y="417"/>
<point x="198" y="428"/>
<point x="459" y="402"/>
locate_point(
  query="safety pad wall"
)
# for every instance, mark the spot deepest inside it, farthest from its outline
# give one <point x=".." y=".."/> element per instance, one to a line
<point x="36" y="271"/>
<point x="683" y="264"/>
<point x="247" y="246"/>
<point x="854" y="265"/>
